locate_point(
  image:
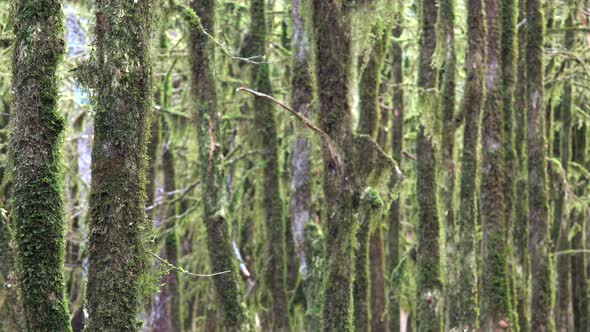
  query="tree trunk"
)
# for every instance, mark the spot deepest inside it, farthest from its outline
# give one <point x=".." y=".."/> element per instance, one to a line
<point x="397" y="135"/>
<point x="495" y="299"/>
<point x="208" y="125"/>
<point x="473" y="99"/>
<point x="38" y="208"/>
<point x="267" y="141"/>
<point x="123" y="99"/>
<point x="333" y="69"/>
<point x="538" y="244"/>
<point x="429" y="311"/>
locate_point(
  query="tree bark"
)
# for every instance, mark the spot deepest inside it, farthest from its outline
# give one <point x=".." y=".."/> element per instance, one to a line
<point x="539" y="242"/>
<point x="473" y="99"/>
<point x="35" y="151"/>
<point x="123" y="100"/>
<point x="208" y="125"/>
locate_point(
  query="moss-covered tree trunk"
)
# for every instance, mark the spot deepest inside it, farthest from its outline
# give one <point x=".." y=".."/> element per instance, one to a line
<point x="495" y="299"/>
<point x="35" y="151"/>
<point x="447" y="54"/>
<point x="473" y="99"/>
<point x="539" y="242"/>
<point x="520" y="225"/>
<point x="429" y="310"/>
<point x="301" y="181"/>
<point x="333" y="66"/>
<point x="123" y="98"/>
<point x="208" y="125"/>
<point x="579" y="262"/>
<point x="397" y="135"/>
<point x="561" y="218"/>
<point x="509" y="58"/>
<point x="369" y="287"/>
<point x="269" y="185"/>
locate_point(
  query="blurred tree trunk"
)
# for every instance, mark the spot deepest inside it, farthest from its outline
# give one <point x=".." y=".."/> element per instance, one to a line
<point x="429" y="313"/>
<point x="208" y="125"/>
<point x="539" y="241"/>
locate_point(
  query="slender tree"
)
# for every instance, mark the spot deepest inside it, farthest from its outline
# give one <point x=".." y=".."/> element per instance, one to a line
<point x="208" y="125"/>
<point x="397" y="129"/>
<point x="539" y="242"/>
<point x="561" y="218"/>
<point x="369" y="288"/>
<point x="520" y="227"/>
<point x="35" y="151"/>
<point x="121" y="83"/>
<point x="429" y="283"/>
<point x="473" y="99"/>
<point x="267" y="140"/>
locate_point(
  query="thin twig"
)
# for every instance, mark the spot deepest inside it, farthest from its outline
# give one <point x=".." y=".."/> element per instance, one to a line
<point x="300" y="117"/>
<point x="181" y="270"/>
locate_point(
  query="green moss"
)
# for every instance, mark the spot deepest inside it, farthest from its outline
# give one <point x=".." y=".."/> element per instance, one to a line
<point x="122" y="99"/>
<point x="208" y="124"/>
<point x="35" y="151"/>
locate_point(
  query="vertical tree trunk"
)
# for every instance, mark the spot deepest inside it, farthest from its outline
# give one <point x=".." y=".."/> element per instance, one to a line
<point x="35" y="146"/>
<point x="369" y="254"/>
<point x="397" y="135"/>
<point x="208" y="125"/>
<point x="301" y="182"/>
<point x="495" y="299"/>
<point x="333" y="65"/>
<point x="579" y="261"/>
<point x="473" y="99"/>
<point x="520" y="227"/>
<point x="538" y="244"/>
<point x="446" y="47"/>
<point x="429" y="285"/>
<point x="267" y="141"/>
<point x="509" y="57"/>
<point x="117" y="250"/>
<point x="561" y="218"/>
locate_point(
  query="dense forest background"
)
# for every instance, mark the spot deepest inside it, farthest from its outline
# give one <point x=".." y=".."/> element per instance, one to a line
<point x="294" y="165"/>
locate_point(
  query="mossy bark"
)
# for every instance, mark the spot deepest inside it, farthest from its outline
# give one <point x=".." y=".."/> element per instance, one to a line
<point x="429" y="312"/>
<point x="35" y="150"/>
<point x="520" y="225"/>
<point x="303" y="229"/>
<point x="123" y="100"/>
<point x="564" y="318"/>
<point x="397" y="128"/>
<point x="208" y="125"/>
<point x="495" y="299"/>
<point x="333" y="70"/>
<point x="472" y="105"/>
<point x="447" y="54"/>
<point x="539" y="242"/>
<point x="267" y="141"/>
<point x="367" y="316"/>
<point x="579" y="262"/>
<point x="509" y="58"/>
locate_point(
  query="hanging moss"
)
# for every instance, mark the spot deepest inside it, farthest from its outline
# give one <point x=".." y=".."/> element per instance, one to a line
<point x="122" y="98"/>
<point x="35" y="150"/>
<point x="208" y="124"/>
<point x="539" y="242"/>
<point x="473" y="98"/>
